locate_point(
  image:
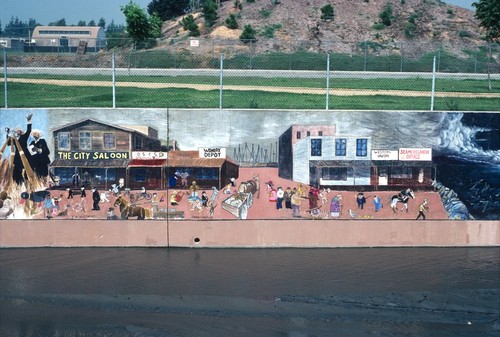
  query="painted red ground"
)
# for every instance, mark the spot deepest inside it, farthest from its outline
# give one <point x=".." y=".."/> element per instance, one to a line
<point x="262" y="208"/>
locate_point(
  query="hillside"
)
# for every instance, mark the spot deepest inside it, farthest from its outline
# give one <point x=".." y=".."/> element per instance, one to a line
<point x="296" y="24"/>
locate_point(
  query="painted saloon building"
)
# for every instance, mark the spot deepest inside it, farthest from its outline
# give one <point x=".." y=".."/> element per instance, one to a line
<point x="92" y="153"/>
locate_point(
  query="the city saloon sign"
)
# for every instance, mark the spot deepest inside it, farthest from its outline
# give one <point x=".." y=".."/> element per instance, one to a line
<point x="97" y="155"/>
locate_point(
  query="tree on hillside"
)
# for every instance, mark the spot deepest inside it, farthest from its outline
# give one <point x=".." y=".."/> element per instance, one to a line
<point x="248" y="34"/>
<point x="188" y="23"/>
<point x="156" y="22"/>
<point x="327" y="12"/>
<point x="92" y="23"/>
<point x="115" y="35"/>
<point x="210" y="12"/>
<point x="168" y="9"/>
<point x="386" y="15"/>
<point x="488" y="13"/>
<point x="81" y="23"/>
<point x="140" y="27"/>
<point x="231" y="22"/>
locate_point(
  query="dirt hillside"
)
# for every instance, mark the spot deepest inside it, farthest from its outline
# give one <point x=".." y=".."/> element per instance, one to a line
<point x="297" y="24"/>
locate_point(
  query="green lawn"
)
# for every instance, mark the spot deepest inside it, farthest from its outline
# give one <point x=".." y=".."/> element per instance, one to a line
<point x="35" y="96"/>
<point x="417" y="84"/>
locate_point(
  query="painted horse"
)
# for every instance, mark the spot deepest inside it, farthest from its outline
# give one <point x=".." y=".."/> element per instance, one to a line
<point x="402" y="197"/>
<point x="127" y="210"/>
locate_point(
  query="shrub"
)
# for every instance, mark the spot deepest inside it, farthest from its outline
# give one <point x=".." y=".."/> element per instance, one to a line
<point x="327" y="12"/>
<point x="410" y="29"/>
<point x="265" y="13"/>
<point x="464" y="33"/>
<point x="188" y="23"/>
<point x="269" y="30"/>
<point x="378" y="26"/>
<point x="231" y="22"/>
<point x="386" y="15"/>
<point x="248" y="34"/>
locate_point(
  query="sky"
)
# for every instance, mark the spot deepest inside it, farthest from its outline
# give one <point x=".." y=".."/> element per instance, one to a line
<point x="47" y="11"/>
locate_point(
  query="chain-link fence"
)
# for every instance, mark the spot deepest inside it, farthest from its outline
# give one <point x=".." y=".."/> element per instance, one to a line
<point x="229" y="74"/>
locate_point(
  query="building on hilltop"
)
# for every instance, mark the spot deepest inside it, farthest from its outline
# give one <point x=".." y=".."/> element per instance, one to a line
<point x="68" y="38"/>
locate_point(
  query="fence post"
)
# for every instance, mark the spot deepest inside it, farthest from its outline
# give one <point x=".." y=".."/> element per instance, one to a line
<point x="433" y="82"/>
<point x="475" y="62"/>
<point x="5" y="75"/>
<point x="220" y="80"/>
<point x="366" y="55"/>
<point x="401" y="57"/>
<point x="439" y="58"/>
<point x="327" y="80"/>
<point x="113" y="72"/>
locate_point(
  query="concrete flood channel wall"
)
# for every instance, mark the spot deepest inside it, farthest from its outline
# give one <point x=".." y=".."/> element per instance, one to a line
<point x="248" y="233"/>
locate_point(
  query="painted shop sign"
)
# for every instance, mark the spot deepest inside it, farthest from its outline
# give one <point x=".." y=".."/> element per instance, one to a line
<point x="91" y="155"/>
<point x="384" y="155"/>
<point x="212" y="152"/>
<point x="149" y="155"/>
<point x="417" y="154"/>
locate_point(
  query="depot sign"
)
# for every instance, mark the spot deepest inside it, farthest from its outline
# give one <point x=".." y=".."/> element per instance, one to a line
<point x="212" y="152"/>
<point x="415" y="154"/>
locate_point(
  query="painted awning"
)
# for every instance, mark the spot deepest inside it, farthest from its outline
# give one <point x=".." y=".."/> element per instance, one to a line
<point x="112" y="163"/>
<point x="147" y="163"/>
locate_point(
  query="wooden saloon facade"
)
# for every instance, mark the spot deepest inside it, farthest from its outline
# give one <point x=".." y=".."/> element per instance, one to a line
<point x="91" y="153"/>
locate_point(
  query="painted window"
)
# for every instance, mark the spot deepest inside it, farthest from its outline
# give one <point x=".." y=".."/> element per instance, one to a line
<point x="140" y="175"/>
<point x="340" y="147"/>
<point x="63" y="141"/>
<point x="401" y="172"/>
<point x="316" y="147"/>
<point x="334" y="173"/>
<point x="138" y="143"/>
<point x="85" y="140"/>
<point x="109" y="142"/>
<point x="361" y="147"/>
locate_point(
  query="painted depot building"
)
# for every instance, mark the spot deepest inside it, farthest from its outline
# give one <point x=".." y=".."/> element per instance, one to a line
<point x="317" y="156"/>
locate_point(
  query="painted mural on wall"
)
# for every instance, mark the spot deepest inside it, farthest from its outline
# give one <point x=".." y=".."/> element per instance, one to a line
<point x="210" y="164"/>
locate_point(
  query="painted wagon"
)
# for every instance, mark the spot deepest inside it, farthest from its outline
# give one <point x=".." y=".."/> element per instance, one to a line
<point x="239" y="203"/>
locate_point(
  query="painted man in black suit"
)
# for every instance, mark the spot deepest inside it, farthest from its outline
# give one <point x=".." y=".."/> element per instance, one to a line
<point x="40" y="155"/>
